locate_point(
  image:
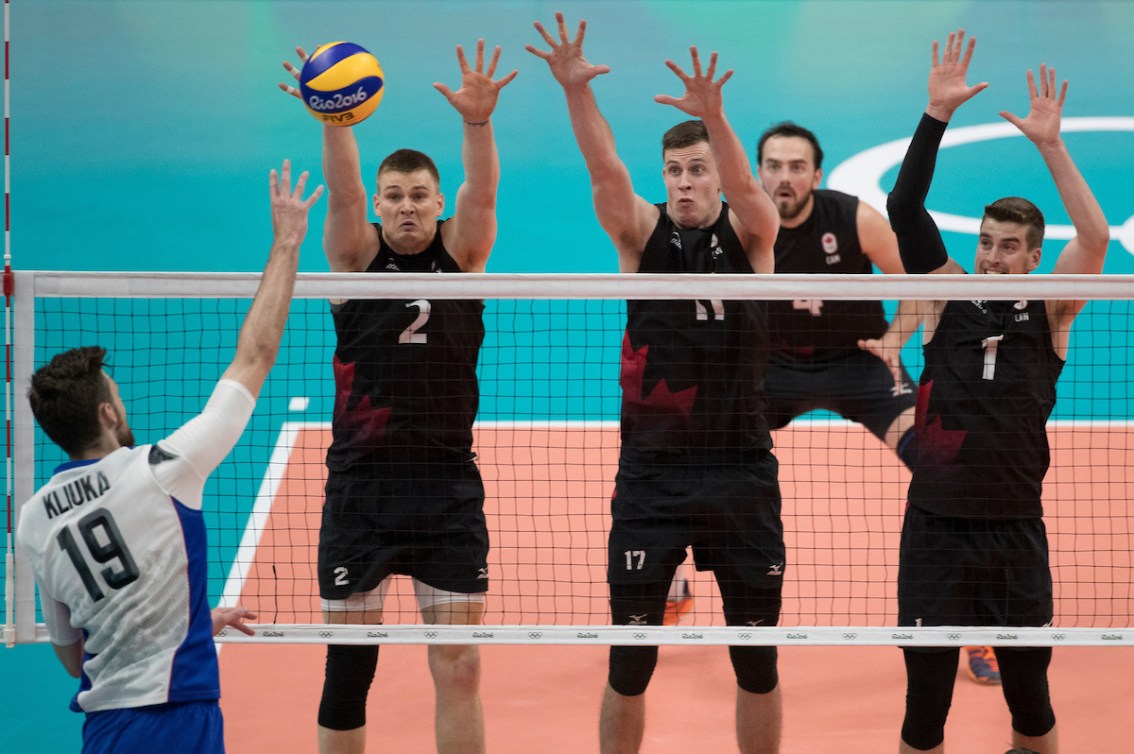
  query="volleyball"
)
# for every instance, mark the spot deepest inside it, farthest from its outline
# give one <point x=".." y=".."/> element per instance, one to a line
<point x="341" y="84"/>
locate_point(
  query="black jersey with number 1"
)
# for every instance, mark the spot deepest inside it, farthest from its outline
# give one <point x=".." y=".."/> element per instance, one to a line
<point x="405" y="370"/>
<point x="986" y="392"/>
<point x="693" y="371"/>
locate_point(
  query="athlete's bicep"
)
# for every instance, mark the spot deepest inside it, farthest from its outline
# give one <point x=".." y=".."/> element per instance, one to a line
<point x="183" y="461"/>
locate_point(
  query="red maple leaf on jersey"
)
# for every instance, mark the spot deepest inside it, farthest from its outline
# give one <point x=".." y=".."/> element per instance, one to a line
<point x="936" y="444"/>
<point x="362" y="419"/>
<point x="661" y="397"/>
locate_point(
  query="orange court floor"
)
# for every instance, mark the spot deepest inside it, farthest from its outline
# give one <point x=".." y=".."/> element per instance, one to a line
<point x="547" y="495"/>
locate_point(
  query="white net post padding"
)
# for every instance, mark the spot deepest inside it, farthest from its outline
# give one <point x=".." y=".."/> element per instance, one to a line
<point x="548" y="371"/>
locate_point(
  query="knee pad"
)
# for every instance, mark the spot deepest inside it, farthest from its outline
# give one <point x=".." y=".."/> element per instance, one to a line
<point x="631" y="669"/>
<point x="1023" y="676"/>
<point x="755" y="668"/>
<point x="929" y="694"/>
<point x="350" y="669"/>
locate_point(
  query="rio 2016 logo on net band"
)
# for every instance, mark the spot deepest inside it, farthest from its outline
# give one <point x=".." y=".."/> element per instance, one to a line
<point x="861" y="175"/>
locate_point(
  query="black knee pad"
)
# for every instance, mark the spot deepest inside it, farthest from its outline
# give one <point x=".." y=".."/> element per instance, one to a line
<point x="1023" y="677"/>
<point x="350" y="669"/>
<point x="929" y="694"/>
<point x="755" y="668"/>
<point x="631" y="669"/>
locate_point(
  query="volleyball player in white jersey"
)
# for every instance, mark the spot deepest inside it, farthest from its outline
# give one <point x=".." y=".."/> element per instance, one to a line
<point x="116" y="538"/>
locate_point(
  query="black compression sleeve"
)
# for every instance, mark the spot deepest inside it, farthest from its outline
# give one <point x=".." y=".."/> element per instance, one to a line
<point x="919" y="240"/>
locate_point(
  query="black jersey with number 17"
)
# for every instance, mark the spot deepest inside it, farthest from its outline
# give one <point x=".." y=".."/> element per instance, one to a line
<point x="986" y="392"/>
<point x="693" y="371"/>
<point x="405" y="370"/>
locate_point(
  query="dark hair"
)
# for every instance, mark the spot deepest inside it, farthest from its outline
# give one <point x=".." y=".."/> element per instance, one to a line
<point x="408" y="161"/>
<point x="65" y="395"/>
<point x="788" y="128"/>
<point x="684" y="135"/>
<point x="1013" y="209"/>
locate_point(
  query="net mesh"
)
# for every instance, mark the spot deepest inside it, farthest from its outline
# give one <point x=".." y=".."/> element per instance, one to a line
<point x="547" y="442"/>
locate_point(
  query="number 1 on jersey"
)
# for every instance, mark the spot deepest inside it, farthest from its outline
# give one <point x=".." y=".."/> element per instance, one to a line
<point x="990" y="344"/>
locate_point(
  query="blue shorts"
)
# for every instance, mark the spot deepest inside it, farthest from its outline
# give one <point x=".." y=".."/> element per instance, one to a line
<point x="183" y="728"/>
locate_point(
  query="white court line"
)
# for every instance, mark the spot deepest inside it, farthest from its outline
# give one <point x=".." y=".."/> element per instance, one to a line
<point x="261" y="510"/>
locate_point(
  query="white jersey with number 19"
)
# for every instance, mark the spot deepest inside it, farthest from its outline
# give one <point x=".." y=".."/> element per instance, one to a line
<point x="118" y="548"/>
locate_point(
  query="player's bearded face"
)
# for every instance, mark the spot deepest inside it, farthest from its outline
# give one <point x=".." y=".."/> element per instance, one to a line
<point x="408" y="205"/>
<point x="788" y="174"/>
<point x="693" y="186"/>
<point x="122" y="431"/>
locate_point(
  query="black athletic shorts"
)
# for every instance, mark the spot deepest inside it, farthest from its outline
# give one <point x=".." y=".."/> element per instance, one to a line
<point x="729" y="513"/>
<point x="422" y="520"/>
<point x="973" y="571"/>
<point x="857" y="386"/>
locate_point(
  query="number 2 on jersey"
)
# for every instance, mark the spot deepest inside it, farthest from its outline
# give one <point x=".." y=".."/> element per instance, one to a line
<point x="104" y="547"/>
<point x="411" y="334"/>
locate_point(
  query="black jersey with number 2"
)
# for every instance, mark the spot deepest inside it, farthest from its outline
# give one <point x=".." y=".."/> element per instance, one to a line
<point x="693" y="371"/>
<point x="986" y="392"/>
<point x="405" y="370"/>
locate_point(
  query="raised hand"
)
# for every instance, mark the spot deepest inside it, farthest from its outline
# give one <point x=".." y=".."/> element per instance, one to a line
<point x="566" y="60"/>
<point x="289" y="208"/>
<point x="1042" y="123"/>
<point x="702" y="95"/>
<point x="947" y="87"/>
<point x="476" y="98"/>
<point x="287" y="64"/>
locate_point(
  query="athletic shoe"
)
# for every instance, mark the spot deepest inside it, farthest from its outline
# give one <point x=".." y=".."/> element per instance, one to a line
<point x="678" y="605"/>
<point x="982" y="666"/>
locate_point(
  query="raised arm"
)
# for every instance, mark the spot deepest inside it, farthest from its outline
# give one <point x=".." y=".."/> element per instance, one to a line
<point x="754" y="215"/>
<point x="259" y="340"/>
<point x="881" y="246"/>
<point x="1084" y="253"/>
<point x="626" y="217"/>
<point x="471" y="232"/>
<point x="349" y="240"/>
<point x="919" y="240"/>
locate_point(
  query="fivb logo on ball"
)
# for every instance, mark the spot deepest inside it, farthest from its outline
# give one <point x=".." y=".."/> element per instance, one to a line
<point x="341" y="84"/>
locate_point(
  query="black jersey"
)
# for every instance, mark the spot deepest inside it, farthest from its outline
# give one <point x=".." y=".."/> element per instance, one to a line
<point x="986" y="392"/>
<point x="693" y="371"/>
<point x="405" y="371"/>
<point x="827" y="242"/>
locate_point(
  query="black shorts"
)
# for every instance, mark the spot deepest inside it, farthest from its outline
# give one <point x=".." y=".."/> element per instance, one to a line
<point x="857" y="386"/>
<point x="421" y="520"/>
<point x="973" y="572"/>
<point x="729" y="514"/>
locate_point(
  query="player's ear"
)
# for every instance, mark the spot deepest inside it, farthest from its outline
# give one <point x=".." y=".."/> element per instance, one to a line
<point x="107" y="416"/>
<point x="440" y="204"/>
<point x="1034" y="258"/>
<point x="818" y="178"/>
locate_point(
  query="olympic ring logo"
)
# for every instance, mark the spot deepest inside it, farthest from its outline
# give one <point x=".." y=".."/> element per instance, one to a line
<point x="861" y="174"/>
<point x="744" y="635"/>
<point x="952" y="636"/>
<point x="430" y="634"/>
<point x="1058" y="637"/>
<point x="535" y="634"/>
<point x="851" y="636"/>
<point x="639" y="635"/>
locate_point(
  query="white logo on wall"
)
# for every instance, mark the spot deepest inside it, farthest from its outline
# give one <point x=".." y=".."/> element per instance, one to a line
<point x="861" y="174"/>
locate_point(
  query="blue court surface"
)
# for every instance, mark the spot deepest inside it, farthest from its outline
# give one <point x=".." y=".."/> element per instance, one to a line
<point x="142" y="133"/>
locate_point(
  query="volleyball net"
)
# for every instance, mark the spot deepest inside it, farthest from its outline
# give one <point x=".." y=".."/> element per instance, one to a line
<point x="547" y="444"/>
